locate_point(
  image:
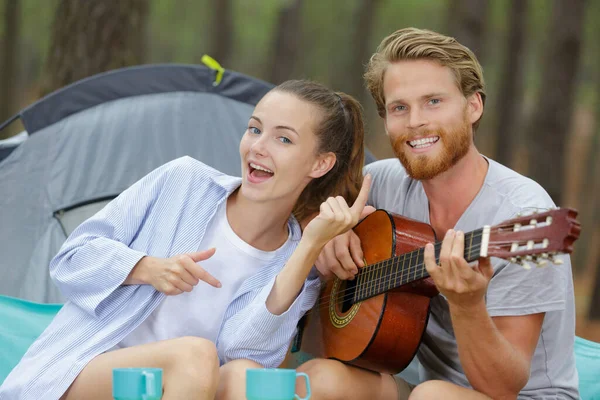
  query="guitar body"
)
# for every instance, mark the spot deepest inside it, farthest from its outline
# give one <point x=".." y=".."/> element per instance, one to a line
<point x="377" y="320"/>
<point x="381" y="333"/>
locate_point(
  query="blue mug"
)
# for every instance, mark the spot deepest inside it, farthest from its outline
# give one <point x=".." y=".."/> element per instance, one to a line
<point x="137" y="383"/>
<point x="274" y="384"/>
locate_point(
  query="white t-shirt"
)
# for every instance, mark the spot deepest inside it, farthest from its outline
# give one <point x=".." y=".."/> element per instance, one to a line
<point x="200" y="312"/>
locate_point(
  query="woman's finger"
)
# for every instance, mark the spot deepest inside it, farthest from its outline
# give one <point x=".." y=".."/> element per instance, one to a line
<point x="338" y="214"/>
<point x="200" y="273"/>
<point x="182" y="285"/>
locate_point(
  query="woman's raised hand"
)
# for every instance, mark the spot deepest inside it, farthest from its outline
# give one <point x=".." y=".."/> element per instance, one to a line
<point x="336" y="217"/>
<point x="173" y="275"/>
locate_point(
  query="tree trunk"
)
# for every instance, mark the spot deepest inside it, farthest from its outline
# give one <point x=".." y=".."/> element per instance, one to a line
<point x="594" y="308"/>
<point x="467" y="20"/>
<point x="591" y="230"/>
<point x="93" y="36"/>
<point x="221" y="41"/>
<point x="365" y="18"/>
<point x="589" y="191"/>
<point x="590" y="215"/>
<point x="550" y="123"/>
<point x="141" y="50"/>
<point x="510" y="98"/>
<point x="9" y="59"/>
<point x="287" y="41"/>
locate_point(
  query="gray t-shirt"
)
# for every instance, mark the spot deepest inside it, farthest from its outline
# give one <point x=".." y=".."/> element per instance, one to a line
<point x="512" y="290"/>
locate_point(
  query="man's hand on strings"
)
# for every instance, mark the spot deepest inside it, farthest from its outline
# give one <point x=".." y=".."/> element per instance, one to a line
<point x="462" y="285"/>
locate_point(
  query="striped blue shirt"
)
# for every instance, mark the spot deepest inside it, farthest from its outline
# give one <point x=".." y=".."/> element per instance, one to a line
<point x="164" y="214"/>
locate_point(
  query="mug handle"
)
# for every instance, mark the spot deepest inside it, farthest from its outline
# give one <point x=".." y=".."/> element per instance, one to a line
<point x="150" y="392"/>
<point x="307" y="381"/>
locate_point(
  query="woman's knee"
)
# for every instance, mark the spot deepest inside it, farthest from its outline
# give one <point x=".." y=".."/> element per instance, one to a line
<point x="237" y="369"/>
<point x="325" y="376"/>
<point x="232" y="379"/>
<point x="194" y="353"/>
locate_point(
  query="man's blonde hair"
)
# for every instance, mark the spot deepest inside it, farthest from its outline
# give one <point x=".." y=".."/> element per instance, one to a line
<point x="421" y="44"/>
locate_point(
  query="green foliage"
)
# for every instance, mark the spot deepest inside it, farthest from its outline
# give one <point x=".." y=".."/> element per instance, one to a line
<point x="180" y="30"/>
<point x="254" y="23"/>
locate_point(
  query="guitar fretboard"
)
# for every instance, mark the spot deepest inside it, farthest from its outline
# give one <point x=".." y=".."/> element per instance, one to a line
<point x="375" y="279"/>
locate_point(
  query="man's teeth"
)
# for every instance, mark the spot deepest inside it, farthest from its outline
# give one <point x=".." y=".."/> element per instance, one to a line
<point x="419" y="143"/>
<point x="260" y="168"/>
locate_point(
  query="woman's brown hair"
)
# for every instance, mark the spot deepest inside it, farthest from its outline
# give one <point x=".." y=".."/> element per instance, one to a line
<point x="340" y="131"/>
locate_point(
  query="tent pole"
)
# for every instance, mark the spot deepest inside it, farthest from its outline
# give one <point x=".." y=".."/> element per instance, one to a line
<point x="9" y="121"/>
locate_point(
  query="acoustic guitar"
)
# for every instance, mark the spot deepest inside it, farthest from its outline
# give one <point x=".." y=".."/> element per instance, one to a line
<point x="377" y="320"/>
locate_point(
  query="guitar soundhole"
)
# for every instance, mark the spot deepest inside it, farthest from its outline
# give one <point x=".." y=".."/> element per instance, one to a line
<point x="345" y="297"/>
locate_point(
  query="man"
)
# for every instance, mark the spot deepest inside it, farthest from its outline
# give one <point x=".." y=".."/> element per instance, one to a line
<point x="496" y="331"/>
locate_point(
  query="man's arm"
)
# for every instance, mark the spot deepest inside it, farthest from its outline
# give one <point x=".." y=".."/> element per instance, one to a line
<point x="495" y="352"/>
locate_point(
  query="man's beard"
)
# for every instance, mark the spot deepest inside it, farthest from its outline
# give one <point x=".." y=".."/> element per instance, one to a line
<point x="455" y="145"/>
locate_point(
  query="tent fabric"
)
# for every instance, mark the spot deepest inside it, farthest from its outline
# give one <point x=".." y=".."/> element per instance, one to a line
<point x="89" y="141"/>
<point x="8" y="145"/>
<point x="139" y="81"/>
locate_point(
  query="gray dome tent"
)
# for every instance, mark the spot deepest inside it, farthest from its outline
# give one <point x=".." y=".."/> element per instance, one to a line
<point x="84" y="144"/>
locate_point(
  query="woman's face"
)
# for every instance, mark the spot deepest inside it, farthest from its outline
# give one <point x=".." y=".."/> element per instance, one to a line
<point x="279" y="149"/>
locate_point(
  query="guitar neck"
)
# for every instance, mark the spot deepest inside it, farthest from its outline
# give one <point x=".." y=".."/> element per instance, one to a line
<point x="378" y="278"/>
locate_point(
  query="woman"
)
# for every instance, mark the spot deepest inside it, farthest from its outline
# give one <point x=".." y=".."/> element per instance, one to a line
<point x="136" y="293"/>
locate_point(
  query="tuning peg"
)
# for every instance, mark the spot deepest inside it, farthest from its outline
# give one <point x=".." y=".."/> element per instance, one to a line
<point x="541" y="264"/>
<point x="558" y="261"/>
<point x="521" y="261"/>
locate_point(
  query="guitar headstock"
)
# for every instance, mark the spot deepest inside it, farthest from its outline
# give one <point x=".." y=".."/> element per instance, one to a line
<point x="535" y="238"/>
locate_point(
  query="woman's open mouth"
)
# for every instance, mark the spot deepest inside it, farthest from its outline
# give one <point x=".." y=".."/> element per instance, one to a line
<point x="258" y="174"/>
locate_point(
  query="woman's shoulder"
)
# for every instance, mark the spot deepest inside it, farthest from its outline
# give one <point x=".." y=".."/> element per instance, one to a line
<point x="189" y="170"/>
<point x="188" y="177"/>
<point x="191" y="166"/>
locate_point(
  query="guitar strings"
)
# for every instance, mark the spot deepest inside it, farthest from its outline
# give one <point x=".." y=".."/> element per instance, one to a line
<point x="384" y="279"/>
<point x="323" y="300"/>
<point x="415" y="254"/>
